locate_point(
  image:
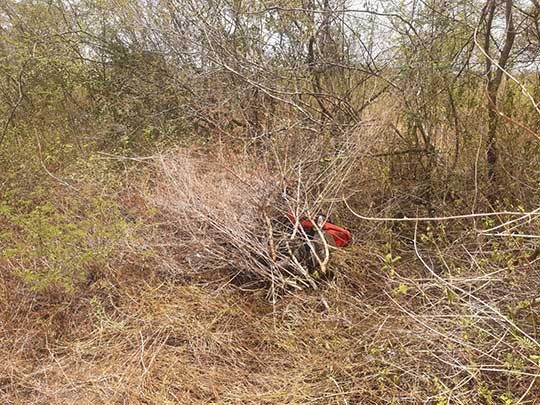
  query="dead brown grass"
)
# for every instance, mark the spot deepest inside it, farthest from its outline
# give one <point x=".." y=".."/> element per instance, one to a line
<point x="414" y="314"/>
<point x="162" y="342"/>
<point x="136" y="338"/>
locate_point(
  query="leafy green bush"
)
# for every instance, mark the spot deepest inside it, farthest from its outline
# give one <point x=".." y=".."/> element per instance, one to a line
<point x="58" y="247"/>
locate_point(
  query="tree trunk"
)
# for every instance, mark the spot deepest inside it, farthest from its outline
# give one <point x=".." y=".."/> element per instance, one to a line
<point x="494" y="82"/>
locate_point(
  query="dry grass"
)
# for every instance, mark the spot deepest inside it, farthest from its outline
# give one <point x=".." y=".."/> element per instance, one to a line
<point x="158" y="342"/>
<point x="452" y="320"/>
<point x="134" y="337"/>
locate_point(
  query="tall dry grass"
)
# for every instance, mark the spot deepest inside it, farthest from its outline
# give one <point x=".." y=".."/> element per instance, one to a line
<point x="417" y="313"/>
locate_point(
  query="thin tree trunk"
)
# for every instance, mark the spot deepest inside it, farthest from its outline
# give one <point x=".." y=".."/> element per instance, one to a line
<point x="494" y="82"/>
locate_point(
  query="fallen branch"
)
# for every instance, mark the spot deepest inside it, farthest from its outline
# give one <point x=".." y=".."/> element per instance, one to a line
<point x="447" y="218"/>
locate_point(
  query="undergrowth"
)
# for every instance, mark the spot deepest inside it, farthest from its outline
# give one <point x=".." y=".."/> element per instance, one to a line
<point x="104" y="299"/>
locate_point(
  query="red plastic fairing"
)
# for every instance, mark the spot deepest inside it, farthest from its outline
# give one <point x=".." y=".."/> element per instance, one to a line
<point x="342" y="237"/>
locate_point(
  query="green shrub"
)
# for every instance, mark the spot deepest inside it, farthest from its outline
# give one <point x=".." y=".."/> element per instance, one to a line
<point x="53" y="246"/>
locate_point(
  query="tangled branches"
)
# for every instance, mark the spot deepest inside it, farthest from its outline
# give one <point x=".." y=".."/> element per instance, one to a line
<point x="228" y="212"/>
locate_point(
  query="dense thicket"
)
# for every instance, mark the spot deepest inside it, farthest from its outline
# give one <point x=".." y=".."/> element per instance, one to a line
<point x="150" y="137"/>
